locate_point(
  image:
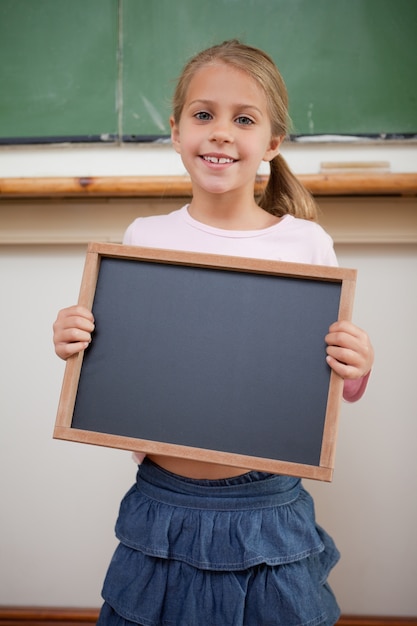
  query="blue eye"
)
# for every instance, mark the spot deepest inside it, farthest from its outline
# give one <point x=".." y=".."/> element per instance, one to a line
<point x="203" y="116"/>
<point x="245" y="121"/>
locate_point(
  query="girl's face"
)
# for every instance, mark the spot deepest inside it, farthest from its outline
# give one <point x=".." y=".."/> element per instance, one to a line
<point x="224" y="131"/>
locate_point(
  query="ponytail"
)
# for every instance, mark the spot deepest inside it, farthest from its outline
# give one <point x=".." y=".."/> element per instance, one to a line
<point x="284" y="194"/>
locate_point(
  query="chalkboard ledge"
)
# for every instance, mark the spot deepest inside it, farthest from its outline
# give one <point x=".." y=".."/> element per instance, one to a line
<point x="329" y="184"/>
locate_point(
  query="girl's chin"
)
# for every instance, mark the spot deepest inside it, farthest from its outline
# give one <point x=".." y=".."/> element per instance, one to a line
<point x="215" y="188"/>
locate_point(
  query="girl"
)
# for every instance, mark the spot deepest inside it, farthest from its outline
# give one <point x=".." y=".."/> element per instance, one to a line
<point x="201" y="543"/>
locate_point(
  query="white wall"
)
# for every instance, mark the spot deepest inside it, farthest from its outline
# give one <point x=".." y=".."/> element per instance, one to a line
<point x="160" y="159"/>
<point x="60" y="499"/>
<point x="371" y="506"/>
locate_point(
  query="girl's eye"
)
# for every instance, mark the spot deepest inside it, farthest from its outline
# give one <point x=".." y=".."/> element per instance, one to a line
<point x="203" y="116"/>
<point x="245" y="121"/>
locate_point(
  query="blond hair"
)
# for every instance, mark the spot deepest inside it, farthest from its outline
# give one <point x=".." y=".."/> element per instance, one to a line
<point x="283" y="193"/>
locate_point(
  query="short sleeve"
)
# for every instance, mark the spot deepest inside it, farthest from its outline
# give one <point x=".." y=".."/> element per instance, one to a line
<point x="353" y="390"/>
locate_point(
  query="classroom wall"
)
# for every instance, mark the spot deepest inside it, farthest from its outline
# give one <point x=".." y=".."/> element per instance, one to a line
<point x="60" y="499"/>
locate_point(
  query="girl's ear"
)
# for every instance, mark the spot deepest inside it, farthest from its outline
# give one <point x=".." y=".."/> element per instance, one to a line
<point x="175" y="134"/>
<point x="273" y="149"/>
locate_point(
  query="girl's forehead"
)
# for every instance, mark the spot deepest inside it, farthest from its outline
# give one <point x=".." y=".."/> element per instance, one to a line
<point x="218" y="69"/>
<point x="217" y="77"/>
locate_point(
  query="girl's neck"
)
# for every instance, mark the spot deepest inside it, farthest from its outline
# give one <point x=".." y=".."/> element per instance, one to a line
<point x="227" y="213"/>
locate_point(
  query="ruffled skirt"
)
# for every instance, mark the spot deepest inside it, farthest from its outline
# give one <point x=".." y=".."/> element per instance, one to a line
<point x="244" y="551"/>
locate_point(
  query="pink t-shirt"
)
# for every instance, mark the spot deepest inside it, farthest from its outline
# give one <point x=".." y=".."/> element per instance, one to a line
<point x="291" y="240"/>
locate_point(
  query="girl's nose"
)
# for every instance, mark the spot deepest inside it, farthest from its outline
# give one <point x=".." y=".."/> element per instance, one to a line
<point x="221" y="132"/>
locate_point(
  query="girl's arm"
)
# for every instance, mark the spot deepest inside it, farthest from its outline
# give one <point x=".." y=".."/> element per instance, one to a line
<point x="72" y="330"/>
<point x="350" y="354"/>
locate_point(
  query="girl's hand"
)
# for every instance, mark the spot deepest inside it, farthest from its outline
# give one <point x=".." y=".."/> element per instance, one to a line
<point x="72" y="331"/>
<point x="349" y="350"/>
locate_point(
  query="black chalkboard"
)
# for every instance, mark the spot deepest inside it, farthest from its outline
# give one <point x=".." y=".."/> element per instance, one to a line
<point x="212" y="355"/>
<point x="104" y="70"/>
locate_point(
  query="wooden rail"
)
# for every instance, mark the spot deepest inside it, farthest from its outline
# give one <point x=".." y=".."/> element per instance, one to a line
<point x="38" y="616"/>
<point x="333" y="184"/>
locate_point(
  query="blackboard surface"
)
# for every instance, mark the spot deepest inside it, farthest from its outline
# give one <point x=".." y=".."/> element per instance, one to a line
<point x="200" y="369"/>
<point x="205" y="358"/>
<point x="105" y="69"/>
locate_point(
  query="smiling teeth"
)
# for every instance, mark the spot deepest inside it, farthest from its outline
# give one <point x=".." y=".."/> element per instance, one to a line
<point x="220" y="160"/>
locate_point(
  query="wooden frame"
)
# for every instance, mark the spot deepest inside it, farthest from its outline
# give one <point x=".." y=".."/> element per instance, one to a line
<point x="167" y="341"/>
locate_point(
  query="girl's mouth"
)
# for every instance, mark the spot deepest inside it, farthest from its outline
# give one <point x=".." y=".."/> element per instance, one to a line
<point x="217" y="160"/>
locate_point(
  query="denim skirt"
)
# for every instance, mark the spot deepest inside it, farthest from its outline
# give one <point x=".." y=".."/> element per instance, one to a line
<point x="243" y="551"/>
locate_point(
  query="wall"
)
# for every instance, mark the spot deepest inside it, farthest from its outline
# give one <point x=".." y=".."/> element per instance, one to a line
<point x="60" y="499"/>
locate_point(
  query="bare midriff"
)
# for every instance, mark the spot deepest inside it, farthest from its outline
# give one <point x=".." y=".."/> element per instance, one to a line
<point x="196" y="469"/>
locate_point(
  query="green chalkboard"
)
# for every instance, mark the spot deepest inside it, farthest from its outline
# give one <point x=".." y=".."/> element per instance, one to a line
<point x="105" y="69"/>
<point x="58" y="68"/>
<point x="350" y="65"/>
